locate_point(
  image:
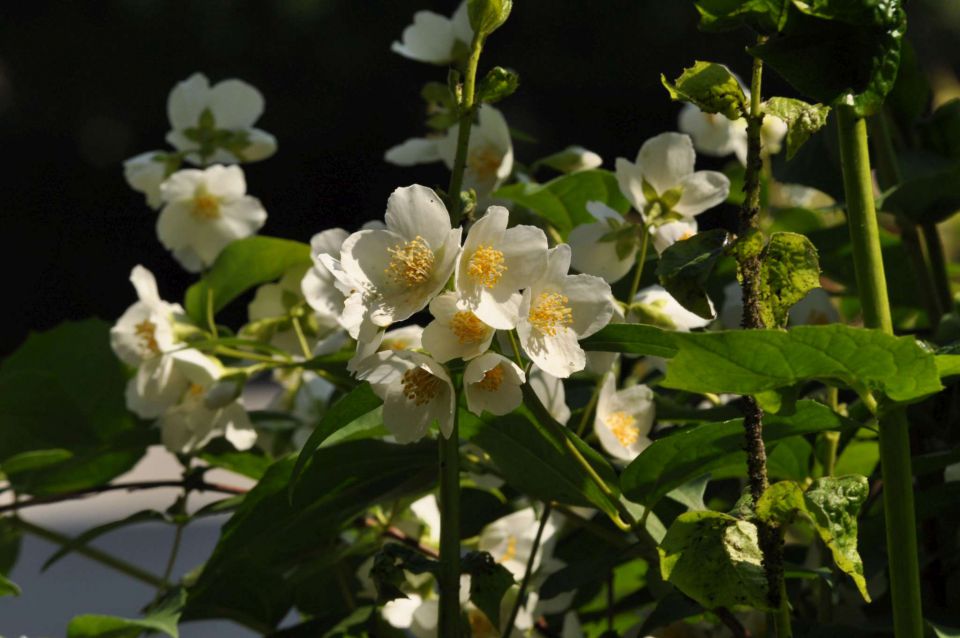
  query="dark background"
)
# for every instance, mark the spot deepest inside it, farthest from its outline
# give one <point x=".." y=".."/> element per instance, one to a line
<point x="83" y="86"/>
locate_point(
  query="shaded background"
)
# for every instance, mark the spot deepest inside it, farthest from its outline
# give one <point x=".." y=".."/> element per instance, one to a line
<point x="83" y="85"/>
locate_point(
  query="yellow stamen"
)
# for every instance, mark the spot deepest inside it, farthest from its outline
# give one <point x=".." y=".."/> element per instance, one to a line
<point x="624" y="427"/>
<point x="685" y="235"/>
<point x="195" y="390"/>
<point x="205" y="205"/>
<point x="146" y="331"/>
<point x="486" y="266"/>
<point x="468" y="328"/>
<point x="484" y="161"/>
<point x="491" y="379"/>
<point x="511" y="551"/>
<point x="420" y="386"/>
<point x="412" y="262"/>
<point x="551" y="313"/>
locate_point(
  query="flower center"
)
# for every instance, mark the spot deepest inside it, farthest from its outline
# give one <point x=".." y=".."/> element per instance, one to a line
<point x="420" y="386"/>
<point x="195" y="390"/>
<point x="484" y="161"/>
<point x="551" y="313"/>
<point x="624" y="427"/>
<point x="146" y="331"/>
<point x="491" y="379"/>
<point x="412" y="262"/>
<point x="511" y="552"/>
<point x="205" y="205"/>
<point x="467" y="327"/>
<point x="486" y="266"/>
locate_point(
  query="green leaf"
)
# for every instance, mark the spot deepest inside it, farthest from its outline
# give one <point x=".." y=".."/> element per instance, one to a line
<point x="563" y="201"/>
<point x="790" y="459"/>
<point x="497" y="84"/>
<point x="749" y="361"/>
<point x="533" y="458"/>
<point x="489" y="581"/>
<point x="765" y="16"/>
<point x="359" y="402"/>
<point x="781" y="503"/>
<point x="929" y="199"/>
<point x="250" y="463"/>
<point x="633" y="339"/>
<point x="710" y="86"/>
<point x="940" y="631"/>
<point x="242" y="265"/>
<point x="684" y="267"/>
<point x="941" y="132"/>
<point x="163" y="618"/>
<point x="868" y="42"/>
<point x="833" y="503"/>
<point x="693" y="451"/>
<point x="486" y="16"/>
<point x="789" y="269"/>
<point x="803" y="120"/>
<point x="389" y="565"/>
<point x="8" y="587"/>
<point x="33" y="460"/>
<point x="86" y="537"/>
<point x="714" y="559"/>
<point x="248" y="576"/>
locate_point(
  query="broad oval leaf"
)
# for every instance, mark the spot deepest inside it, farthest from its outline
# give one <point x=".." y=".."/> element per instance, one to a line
<point x="803" y="120"/>
<point x="789" y="269"/>
<point x="242" y="265"/>
<point x="711" y="87"/>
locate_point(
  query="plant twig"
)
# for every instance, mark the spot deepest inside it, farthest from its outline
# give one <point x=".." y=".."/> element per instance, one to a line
<point x="528" y="571"/>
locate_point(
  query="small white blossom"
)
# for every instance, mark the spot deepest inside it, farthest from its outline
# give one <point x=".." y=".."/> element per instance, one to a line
<point x="436" y="39"/>
<point x="190" y="425"/>
<point x="146" y="329"/>
<point x="509" y="540"/>
<point x="492" y="383"/>
<point x="204" y="211"/>
<point x="416" y="391"/>
<point x="455" y="332"/>
<point x="716" y="135"/>
<point x="654" y="305"/>
<point x="624" y="419"/>
<point x="662" y="181"/>
<point x="489" y="155"/>
<point x="666" y="235"/>
<point x="231" y="107"/>
<point x="144" y="173"/>
<point x="601" y="258"/>
<point x="496" y="263"/>
<point x="557" y="311"/>
<point x="401" y="268"/>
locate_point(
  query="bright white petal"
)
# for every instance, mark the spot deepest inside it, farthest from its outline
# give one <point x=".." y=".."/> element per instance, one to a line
<point x="630" y="180"/>
<point x="591" y="301"/>
<point x="702" y="190"/>
<point x="235" y="104"/>
<point x="666" y="159"/>
<point x="416" y="210"/>
<point x="416" y="150"/>
<point x="429" y="39"/>
<point x="593" y="257"/>
<point x="187" y="100"/>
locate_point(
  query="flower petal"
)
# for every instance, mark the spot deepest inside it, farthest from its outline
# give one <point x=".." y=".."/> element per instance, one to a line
<point x="416" y="150"/>
<point x="702" y="190"/>
<point x="416" y="210"/>
<point x="235" y="104"/>
<point x="666" y="159"/>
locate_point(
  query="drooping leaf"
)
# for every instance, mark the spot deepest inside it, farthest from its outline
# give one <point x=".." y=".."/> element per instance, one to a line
<point x="711" y="87"/>
<point x="765" y="16"/>
<point x="803" y="120"/>
<point x="8" y="587"/>
<point x="489" y="581"/>
<point x="360" y="401"/>
<point x="745" y="362"/>
<point x="242" y="265"/>
<point x="714" y="559"/>
<point x="789" y="269"/>
<point x="684" y="267"/>
<point x="163" y="618"/>
<point x="34" y="460"/>
<point x="693" y="451"/>
<point x="632" y="339"/>
<point x="929" y="199"/>
<point x="86" y="537"/>
<point x="563" y="201"/>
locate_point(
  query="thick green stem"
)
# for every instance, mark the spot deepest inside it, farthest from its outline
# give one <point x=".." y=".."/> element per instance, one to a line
<point x="528" y="571"/>
<point x="466" y="107"/>
<point x="894" y="440"/>
<point x="449" y="577"/>
<point x="92" y="553"/>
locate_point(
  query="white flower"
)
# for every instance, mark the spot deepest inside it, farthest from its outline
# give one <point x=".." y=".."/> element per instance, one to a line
<point x="415" y="389"/>
<point x="197" y="111"/>
<point x="404" y="338"/>
<point x="146" y="328"/>
<point x="612" y="258"/>
<point x="624" y="418"/>
<point x="772" y="133"/>
<point x="716" y="135"/>
<point x="492" y="382"/>
<point x="160" y="382"/>
<point x="666" y="235"/>
<point x="436" y="39"/>
<point x="662" y="181"/>
<point x="416" y="150"/>
<point x="319" y="286"/>
<point x="549" y="389"/>
<point x="401" y="268"/>
<point x="144" y="173"/>
<point x="654" y="305"/>
<point x="204" y="211"/>
<point x="455" y="332"/>
<point x="489" y="155"/>
<point x="496" y="263"/>
<point x="559" y="309"/>
<point x="509" y="540"/>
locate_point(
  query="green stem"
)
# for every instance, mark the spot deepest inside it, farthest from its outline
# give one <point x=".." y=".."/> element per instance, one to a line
<point x="466" y="109"/>
<point x="894" y="440"/>
<point x="301" y="337"/>
<point x="635" y="284"/>
<point x="528" y="571"/>
<point x="92" y="553"/>
<point x="449" y="576"/>
<point x="591" y="404"/>
<point x="174" y="551"/>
